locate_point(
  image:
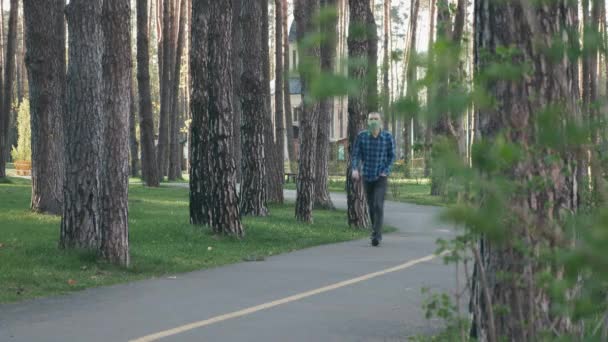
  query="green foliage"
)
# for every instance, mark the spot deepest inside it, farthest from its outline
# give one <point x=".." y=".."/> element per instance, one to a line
<point x="23" y="150"/>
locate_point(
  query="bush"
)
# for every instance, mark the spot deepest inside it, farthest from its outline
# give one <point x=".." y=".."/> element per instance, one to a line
<point x="23" y="151"/>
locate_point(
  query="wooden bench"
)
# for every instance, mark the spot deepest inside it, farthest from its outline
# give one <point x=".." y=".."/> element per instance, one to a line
<point x="289" y="175"/>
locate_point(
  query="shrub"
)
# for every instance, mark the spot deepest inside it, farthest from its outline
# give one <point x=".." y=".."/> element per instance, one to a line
<point x="23" y="150"/>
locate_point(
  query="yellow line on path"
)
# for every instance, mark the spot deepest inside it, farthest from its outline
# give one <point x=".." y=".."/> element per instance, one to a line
<point x="250" y="310"/>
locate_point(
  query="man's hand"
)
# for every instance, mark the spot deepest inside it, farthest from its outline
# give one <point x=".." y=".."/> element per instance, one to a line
<point x="383" y="175"/>
<point x="355" y="175"/>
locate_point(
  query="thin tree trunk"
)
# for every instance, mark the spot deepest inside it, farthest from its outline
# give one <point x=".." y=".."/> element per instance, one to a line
<point x="309" y="65"/>
<point x="274" y="180"/>
<point x="175" y="165"/>
<point x="411" y="92"/>
<point x="46" y="64"/>
<point x="386" y="66"/>
<point x="428" y="131"/>
<point x="81" y="219"/>
<point x="149" y="165"/>
<point x="279" y="96"/>
<point x="200" y="158"/>
<point x="165" y="89"/>
<point x="237" y="67"/>
<point x="115" y="163"/>
<point x="9" y="77"/>
<point x="358" y="107"/>
<point x="328" y="57"/>
<point x="133" y="143"/>
<point x="226" y="216"/>
<point x="291" y="150"/>
<point x="253" y="187"/>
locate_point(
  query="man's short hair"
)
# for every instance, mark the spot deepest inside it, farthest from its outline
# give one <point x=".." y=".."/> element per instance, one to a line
<point x="375" y="113"/>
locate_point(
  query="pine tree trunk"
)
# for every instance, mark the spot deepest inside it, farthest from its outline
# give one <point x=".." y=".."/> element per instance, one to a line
<point x="237" y="67"/>
<point x="280" y="94"/>
<point x="81" y="220"/>
<point x="175" y="164"/>
<point x="309" y="65"/>
<point x="274" y="180"/>
<point x="133" y="143"/>
<point x="386" y="67"/>
<point x="358" y="106"/>
<point x="226" y="216"/>
<point x="253" y="187"/>
<point x="411" y="92"/>
<point x="372" y="55"/>
<point x="9" y="77"/>
<point x="45" y="27"/>
<point x="166" y="88"/>
<point x="291" y="150"/>
<point x="200" y="158"/>
<point x="509" y="301"/>
<point x="115" y="165"/>
<point x="428" y="131"/>
<point x="328" y="57"/>
<point x="149" y="164"/>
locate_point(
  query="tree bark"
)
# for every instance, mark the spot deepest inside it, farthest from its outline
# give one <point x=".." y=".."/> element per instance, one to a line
<point x="274" y="179"/>
<point x="175" y="164"/>
<point x="200" y="158"/>
<point x="226" y="216"/>
<point x="81" y="220"/>
<point x="45" y="27"/>
<point x="291" y="150"/>
<point x="253" y="187"/>
<point x="308" y="67"/>
<point x="279" y="94"/>
<point x="358" y="105"/>
<point x="149" y="165"/>
<point x="328" y="57"/>
<point x="166" y="88"/>
<point x="133" y="143"/>
<point x="535" y="219"/>
<point x="237" y="67"/>
<point x="9" y="77"/>
<point x="117" y="99"/>
<point x="386" y="66"/>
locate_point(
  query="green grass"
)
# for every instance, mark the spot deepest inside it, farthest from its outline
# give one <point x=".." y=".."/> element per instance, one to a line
<point x="415" y="191"/>
<point x="162" y="242"/>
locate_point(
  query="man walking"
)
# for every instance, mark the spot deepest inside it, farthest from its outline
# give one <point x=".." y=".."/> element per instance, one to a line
<point x="374" y="154"/>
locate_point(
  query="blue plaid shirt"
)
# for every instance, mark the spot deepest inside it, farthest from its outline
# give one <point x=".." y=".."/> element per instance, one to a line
<point x="376" y="154"/>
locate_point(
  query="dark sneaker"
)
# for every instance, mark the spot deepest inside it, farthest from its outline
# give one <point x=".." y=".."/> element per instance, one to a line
<point x="375" y="242"/>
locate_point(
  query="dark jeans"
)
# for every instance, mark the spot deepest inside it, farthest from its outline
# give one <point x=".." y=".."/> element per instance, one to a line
<point x="375" y="192"/>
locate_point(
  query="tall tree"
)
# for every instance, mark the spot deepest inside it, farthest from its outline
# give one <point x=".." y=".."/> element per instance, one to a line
<point x="411" y="91"/>
<point x="309" y="65"/>
<point x="226" y="217"/>
<point x="253" y="187"/>
<point x="535" y="219"/>
<point x="358" y="104"/>
<point x="149" y="165"/>
<point x="165" y="87"/>
<point x="45" y="28"/>
<point x="175" y="169"/>
<point x="386" y="98"/>
<point x="7" y="93"/>
<point x="133" y="143"/>
<point x="291" y="150"/>
<point x="428" y="131"/>
<point x="237" y="68"/>
<point x="274" y="183"/>
<point x="328" y="61"/>
<point x="279" y="95"/>
<point x="200" y="152"/>
<point x="117" y="75"/>
<point x="81" y="219"/>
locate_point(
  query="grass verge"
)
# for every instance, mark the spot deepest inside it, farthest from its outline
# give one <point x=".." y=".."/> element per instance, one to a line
<point x="162" y="242"/>
<point x="399" y="190"/>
